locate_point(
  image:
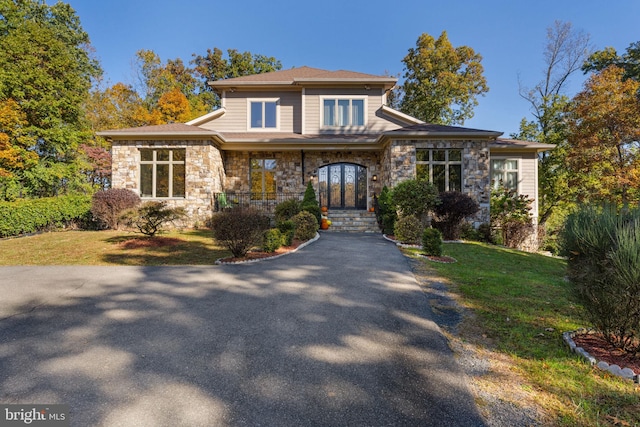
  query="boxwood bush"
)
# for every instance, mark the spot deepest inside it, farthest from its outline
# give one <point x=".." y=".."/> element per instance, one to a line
<point x="306" y="225"/>
<point x="31" y="215"/>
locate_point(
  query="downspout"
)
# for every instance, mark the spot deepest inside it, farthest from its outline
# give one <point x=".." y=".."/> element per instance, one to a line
<point x="302" y="163"/>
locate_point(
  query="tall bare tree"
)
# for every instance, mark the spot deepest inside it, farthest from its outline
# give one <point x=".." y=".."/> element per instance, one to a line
<point x="564" y="54"/>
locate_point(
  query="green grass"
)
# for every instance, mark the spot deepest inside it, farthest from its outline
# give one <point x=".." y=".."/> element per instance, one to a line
<point x="193" y="247"/>
<point x="524" y="305"/>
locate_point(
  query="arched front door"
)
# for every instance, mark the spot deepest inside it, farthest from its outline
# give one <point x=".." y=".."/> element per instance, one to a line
<point x="343" y="186"/>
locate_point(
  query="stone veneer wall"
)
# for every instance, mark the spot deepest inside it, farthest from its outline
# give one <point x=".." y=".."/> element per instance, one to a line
<point x="399" y="164"/>
<point x="290" y="164"/>
<point x="204" y="174"/>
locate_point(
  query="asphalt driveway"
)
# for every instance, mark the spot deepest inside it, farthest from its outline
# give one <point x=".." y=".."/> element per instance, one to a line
<point x="336" y="334"/>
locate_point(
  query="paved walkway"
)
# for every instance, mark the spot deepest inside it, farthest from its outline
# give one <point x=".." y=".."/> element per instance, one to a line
<point x="336" y="334"/>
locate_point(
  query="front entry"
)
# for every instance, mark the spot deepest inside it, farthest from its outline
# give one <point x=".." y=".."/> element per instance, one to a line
<point x="343" y="186"/>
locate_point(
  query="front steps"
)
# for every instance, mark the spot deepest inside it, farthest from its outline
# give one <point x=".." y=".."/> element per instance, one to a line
<point x="354" y="221"/>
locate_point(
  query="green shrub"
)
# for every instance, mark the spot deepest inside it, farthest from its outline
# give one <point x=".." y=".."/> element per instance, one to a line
<point x="151" y="217"/>
<point x="432" y="242"/>
<point x="288" y="230"/>
<point x="108" y="205"/>
<point x="288" y="209"/>
<point x="408" y="229"/>
<point x="603" y="250"/>
<point x="306" y="225"/>
<point x="453" y="208"/>
<point x="415" y="197"/>
<point x="239" y="229"/>
<point x="271" y="240"/>
<point x="310" y="202"/>
<point x="31" y="215"/>
<point x="510" y="213"/>
<point x="386" y="211"/>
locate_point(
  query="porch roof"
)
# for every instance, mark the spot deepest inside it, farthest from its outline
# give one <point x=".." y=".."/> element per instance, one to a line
<point x="506" y="144"/>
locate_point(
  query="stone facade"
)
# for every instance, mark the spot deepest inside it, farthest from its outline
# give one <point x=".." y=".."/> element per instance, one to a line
<point x="209" y="171"/>
<point x="204" y="174"/>
<point x="399" y="164"/>
<point x="295" y="168"/>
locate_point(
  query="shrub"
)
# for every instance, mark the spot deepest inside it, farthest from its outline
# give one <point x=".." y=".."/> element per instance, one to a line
<point x="239" y="229"/>
<point x="108" y="205"/>
<point x="30" y="215"/>
<point x="603" y="250"/>
<point x="288" y="230"/>
<point x="386" y="211"/>
<point x="432" y="242"/>
<point x="271" y="240"/>
<point x="454" y="207"/>
<point x="408" y="229"/>
<point x="510" y="214"/>
<point x="286" y="210"/>
<point x="310" y="202"/>
<point x="306" y="225"/>
<point x="415" y="197"/>
<point x="151" y="216"/>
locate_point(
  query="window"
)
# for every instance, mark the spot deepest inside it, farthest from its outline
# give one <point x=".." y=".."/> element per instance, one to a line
<point x="263" y="114"/>
<point x="162" y="173"/>
<point x="263" y="179"/>
<point x="504" y="172"/>
<point x="443" y="168"/>
<point x="342" y="112"/>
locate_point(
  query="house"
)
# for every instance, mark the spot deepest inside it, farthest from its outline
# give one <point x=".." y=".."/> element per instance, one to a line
<point x="277" y="131"/>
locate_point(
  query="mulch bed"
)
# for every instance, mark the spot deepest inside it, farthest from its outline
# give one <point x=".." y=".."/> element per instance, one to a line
<point x="257" y="254"/>
<point x="601" y="350"/>
<point x="150" y="242"/>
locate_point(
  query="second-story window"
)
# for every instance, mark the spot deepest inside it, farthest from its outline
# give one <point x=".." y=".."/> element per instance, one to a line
<point x="338" y="112"/>
<point x="263" y="114"/>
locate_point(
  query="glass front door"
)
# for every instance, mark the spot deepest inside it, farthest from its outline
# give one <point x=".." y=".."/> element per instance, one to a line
<point x="343" y="186"/>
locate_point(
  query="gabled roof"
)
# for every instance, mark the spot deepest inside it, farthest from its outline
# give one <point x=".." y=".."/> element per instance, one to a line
<point x="304" y="76"/>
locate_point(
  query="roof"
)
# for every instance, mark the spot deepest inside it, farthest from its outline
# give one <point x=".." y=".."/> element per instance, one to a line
<point x="167" y="130"/>
<point x="431" y="129"/>
<point x="304" y="75"/>
<point x="516" y="144"/>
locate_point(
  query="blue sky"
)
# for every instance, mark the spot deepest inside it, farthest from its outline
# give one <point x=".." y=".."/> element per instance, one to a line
<point x="369" y="36"/>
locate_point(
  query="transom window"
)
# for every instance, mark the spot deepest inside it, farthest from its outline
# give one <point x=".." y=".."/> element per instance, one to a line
<point x="504" y="172"/>
<point x="162" y="172"/>
<point x="263" y="114"/>
<point x="443" y="168"/>
<point x="337" y="112"/>
<point x="263" y="179"/>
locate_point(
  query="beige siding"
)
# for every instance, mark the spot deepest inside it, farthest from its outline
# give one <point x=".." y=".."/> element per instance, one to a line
<point x="527" y="174"/>
<point x="374" y="122"/>
<point x="236" y="117"/>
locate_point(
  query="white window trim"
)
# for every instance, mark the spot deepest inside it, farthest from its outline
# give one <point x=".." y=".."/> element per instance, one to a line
<point x="263" y="100"/>
<point x="349" y="97"/>
<point x="505" y="158"/>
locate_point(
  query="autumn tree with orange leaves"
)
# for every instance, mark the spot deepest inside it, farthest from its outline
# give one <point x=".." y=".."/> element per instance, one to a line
<point x="604" y="139"/>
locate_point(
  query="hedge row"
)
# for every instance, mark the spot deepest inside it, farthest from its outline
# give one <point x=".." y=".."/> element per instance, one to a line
<point x="31" y="215"/>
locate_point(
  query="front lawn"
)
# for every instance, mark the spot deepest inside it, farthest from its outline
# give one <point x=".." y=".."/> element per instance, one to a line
<point x="192" y="247"/>
<point x="523" y="304"/>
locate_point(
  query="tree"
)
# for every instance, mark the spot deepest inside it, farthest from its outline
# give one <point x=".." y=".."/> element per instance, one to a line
<point x="629" y="61"/>
<point x="441" y="82"/>
<point x="564" y="53"/>
<point x="604" y="139"/>
<point x="213" y="66"/>
<point x="14" y="142"/>
<point x="46" y="68"/>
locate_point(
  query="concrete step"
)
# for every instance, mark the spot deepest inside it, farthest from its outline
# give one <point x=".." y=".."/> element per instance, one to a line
<point x="355" y="221"/>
